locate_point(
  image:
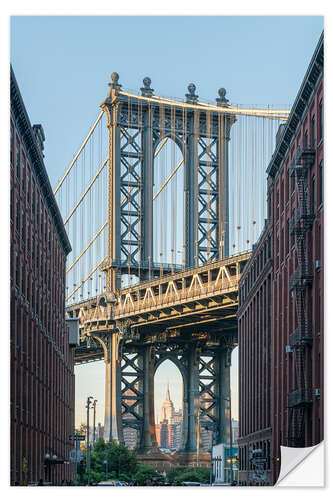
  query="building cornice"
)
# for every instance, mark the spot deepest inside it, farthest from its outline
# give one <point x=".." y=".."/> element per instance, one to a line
<point x="24" y="128"/>
<point x="302" y="101"/>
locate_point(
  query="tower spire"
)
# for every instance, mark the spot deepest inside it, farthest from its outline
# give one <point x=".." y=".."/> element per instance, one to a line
<point x="168" y="393"/>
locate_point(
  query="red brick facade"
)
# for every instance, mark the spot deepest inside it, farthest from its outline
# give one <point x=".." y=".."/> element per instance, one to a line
<point x="295" y="337"/>
<point x="42" y="363"/>
<point x="254" y="334"/>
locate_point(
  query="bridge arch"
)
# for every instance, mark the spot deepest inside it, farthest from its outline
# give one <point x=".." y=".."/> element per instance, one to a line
<point x="169" y="436"/>
<point x="168" y="201"/>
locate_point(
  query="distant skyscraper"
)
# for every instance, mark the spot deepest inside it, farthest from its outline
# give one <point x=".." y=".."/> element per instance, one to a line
<point x="169" y="428"/>
<point x="168" y="410"/>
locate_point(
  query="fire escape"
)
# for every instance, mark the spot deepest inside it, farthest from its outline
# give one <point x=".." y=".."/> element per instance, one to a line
<point x="300" y="399"/>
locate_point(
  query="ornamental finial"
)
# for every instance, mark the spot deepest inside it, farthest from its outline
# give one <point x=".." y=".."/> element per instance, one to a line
<point x="146" y="90"/>
<point x="115" y="81"/>
<point x="191" y="97"/>
<point x="221" y="100"/>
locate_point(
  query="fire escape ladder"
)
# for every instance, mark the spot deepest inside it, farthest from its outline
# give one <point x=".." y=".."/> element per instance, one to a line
<point x="301" y="397"/>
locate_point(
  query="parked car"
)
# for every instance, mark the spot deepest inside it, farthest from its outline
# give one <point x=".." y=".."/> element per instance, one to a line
<point x="105" y="483"/>
<point x="190" y="483"/>
<point x="112" y="482"/>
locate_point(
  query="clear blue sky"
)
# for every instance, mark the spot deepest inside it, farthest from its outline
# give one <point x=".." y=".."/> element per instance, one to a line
<point x="63" y="66"/>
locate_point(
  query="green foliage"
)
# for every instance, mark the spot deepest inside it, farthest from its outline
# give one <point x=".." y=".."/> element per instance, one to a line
<point x="174" y="472"/>
<point x="121" y="462"/>
<point x="145" y="472"/>
<point x="182" y="474"/>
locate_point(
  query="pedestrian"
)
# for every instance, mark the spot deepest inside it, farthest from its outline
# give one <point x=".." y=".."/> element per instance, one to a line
<point x="40" y="482"/>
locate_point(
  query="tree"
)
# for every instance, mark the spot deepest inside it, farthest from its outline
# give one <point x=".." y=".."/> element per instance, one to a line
<point x="183" y="474"/>
<point x="144" y="473"/>
<point x="121" y="462"/>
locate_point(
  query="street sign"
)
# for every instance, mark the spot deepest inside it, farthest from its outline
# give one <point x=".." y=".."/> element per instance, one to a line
<point x="259" y="461"/>
<point x="75" y="455"/>
<point x="77" y="437"/>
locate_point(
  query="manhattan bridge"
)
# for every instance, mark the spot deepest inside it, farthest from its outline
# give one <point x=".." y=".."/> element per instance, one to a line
<point x="162" y="204"/>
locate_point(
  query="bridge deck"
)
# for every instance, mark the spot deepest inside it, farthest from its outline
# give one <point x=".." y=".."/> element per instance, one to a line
<point x="200" y="298"/>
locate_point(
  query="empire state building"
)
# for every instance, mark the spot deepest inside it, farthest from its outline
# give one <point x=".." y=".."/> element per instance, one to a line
<point x="169" y="428"/>
<point x="167" y="410"/>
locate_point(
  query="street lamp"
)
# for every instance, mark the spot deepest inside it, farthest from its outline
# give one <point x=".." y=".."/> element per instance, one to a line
<point x="89" y="399"/>
<point x="94" y="406"/>
<point x="105" y="462"/>
<point x="230" y="440"/>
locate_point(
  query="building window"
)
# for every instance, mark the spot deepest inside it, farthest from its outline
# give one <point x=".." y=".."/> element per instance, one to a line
<point x="11" y="145"/>
<point x="22" y="226"/>
<point x="277" y="248"/>
<point x="282" y="196"/>
<point x="37" y="256"/>
<point x="282" y="244"/>
<point x="28" y="237"/>
<point x="28" y="287"/>
<point x="277" y="204"/>
<point x="287" y="237"/>
<point x="11" y="204"/>
<point x="321" y="120"/>
<point x="32" y="295"/>
<point x="17" y="158"/>
<point x="23" y="173"/>
<point x="28" y="186"/>
<point x="17" y="269"/>
<point x="320" y="183"/>
<point x="269" y="201"/>
<point x="313" y="138"/>
<point x="17" y="216"/>
<point x="313" y="195"/>
<point x="37" y="301"/>
<point x="33" y="200"/>
<point x="305" y="140"/>
<point x="293" y="234"/>
<point x="287" y="187"/>
<point x="23" y="281"/>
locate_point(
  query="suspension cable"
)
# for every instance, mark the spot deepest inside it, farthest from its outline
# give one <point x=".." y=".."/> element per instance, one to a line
<point x="79" y="152"/>
<point x="168" y="179"/>
<point x="87" y="247"/>
<point x="84" y="280"/>
<point x="86" y="191"/>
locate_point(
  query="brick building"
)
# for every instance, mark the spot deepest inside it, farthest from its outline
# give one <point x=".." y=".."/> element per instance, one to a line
<point x="42" y="361"/>
<point x="254" y="333"/>
<point x="294" y="300"/>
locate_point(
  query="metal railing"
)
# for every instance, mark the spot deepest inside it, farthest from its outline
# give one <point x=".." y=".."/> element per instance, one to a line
<point x="301" y="336"/>
<point x="300" y="397"/>
<point x="302" y="160"/>
<point x="302" y="277"/>
<point x="301" y="221"/>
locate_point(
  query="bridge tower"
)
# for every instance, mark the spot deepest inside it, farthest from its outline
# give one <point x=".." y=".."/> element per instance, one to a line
<point x="137" y="125"/>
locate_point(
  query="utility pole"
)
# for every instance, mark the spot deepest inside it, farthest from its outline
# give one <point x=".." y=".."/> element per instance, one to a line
<point x="88" y="445"/>
<point x="198" y="437"/>
<point x="94" y="406"/>
<point x="230" y="425"/>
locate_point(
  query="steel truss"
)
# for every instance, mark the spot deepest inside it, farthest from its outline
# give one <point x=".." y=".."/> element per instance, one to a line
<point x="137" y="128"/>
